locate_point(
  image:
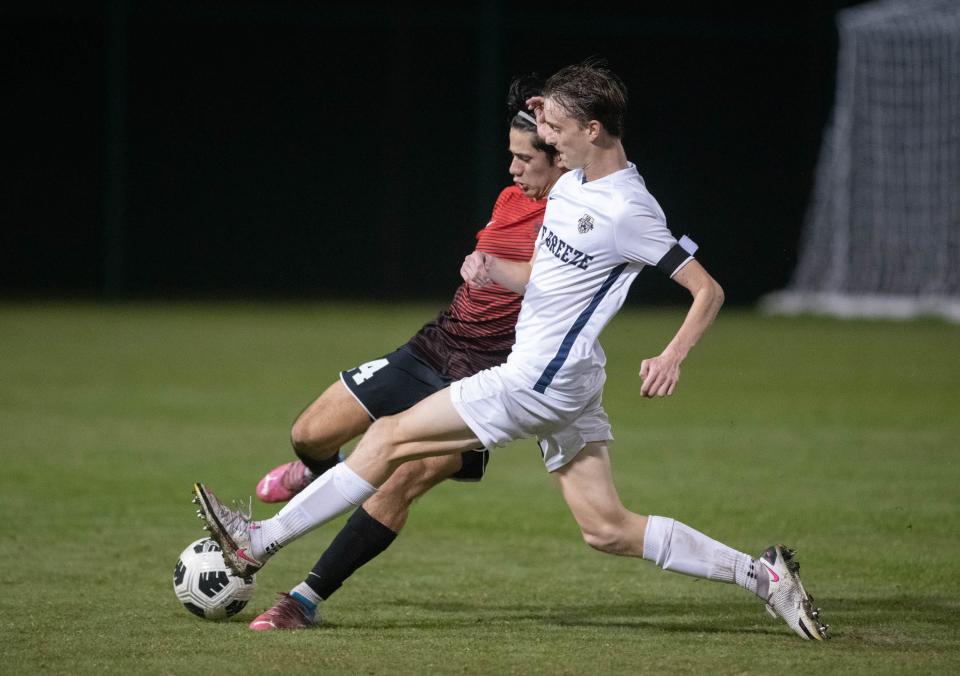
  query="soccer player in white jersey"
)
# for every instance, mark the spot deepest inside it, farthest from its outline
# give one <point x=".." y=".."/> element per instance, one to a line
<point x="600" y="229"/>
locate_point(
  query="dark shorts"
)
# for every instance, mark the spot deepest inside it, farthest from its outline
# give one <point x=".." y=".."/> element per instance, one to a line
<point x="397" y="381"/>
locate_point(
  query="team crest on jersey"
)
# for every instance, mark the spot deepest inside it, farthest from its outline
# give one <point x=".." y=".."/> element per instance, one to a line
<point x="585" y="224"/>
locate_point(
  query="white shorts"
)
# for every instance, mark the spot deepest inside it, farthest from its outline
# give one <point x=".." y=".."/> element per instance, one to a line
<point x="500" y="407"/>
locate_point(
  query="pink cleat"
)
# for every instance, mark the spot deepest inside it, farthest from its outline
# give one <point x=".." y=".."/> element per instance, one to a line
<point x="287" y="613"/>
<point x="283" y="482"/>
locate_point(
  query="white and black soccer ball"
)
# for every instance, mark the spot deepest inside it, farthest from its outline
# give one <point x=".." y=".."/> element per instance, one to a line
<point x="205" y="585"/>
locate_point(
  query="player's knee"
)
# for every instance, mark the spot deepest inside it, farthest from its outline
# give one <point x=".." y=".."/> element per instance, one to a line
<point x="308" y="438"/>
<point x="381" y="440"/>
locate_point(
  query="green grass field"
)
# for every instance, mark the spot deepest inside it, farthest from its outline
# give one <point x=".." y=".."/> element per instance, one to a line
<point x="840" y="439"/>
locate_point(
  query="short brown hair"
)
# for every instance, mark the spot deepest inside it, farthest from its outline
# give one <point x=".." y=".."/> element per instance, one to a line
<point x="590" y="91"/>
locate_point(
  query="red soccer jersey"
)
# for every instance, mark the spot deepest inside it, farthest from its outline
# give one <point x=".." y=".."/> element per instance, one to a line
<point x="477" y="330"/>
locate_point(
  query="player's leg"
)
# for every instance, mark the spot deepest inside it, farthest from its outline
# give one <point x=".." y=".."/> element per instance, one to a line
<point x="373" y="527"/>
<point x="375" y="389"/>
<point x="333" y="419"/>
<point x="391" y="504"/>
<point x="498" y="405"/>
<point x="431" y="428"/>
<point x="369" y="531"/>
<point x="587" y="485"/>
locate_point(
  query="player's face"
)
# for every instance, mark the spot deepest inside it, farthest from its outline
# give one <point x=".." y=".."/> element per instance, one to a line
<point x="532" y="170"/>
<point x="566" y="135"/>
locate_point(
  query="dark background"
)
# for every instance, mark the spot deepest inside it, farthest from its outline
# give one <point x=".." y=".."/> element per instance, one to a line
<point x="319" y="150"/>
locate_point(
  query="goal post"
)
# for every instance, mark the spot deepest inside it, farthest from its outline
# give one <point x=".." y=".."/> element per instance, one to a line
<point x="882" y="232"/>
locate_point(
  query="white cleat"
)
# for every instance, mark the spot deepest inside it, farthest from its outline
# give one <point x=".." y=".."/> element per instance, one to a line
<point x="787" y="598"/>
<point x="230" y="528"/>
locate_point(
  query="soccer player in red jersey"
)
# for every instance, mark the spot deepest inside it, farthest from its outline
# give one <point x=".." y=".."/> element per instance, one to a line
<point x="474" y="333"/>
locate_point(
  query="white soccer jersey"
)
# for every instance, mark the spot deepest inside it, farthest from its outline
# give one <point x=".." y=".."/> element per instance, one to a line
<point x="596" y="237"/>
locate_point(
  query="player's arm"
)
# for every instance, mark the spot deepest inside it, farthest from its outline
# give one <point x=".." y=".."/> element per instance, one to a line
<point x="660" y="374"/>
<point x="480" y="269"/>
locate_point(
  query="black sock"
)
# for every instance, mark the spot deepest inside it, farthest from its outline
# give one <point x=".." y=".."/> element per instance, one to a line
<point x="318" y="467"/>
<point x="361" y="540"/>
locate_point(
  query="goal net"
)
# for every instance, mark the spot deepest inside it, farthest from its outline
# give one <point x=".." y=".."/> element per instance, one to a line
<point x="882" y="233"/>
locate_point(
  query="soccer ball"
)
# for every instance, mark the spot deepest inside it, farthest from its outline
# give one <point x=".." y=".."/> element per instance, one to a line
<point x="205" y="585"/>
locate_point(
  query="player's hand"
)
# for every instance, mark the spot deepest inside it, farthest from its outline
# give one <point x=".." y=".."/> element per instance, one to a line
<point x="535" y="104"/>
<point x="660" y="375"/>
<point x="476" y="269"/>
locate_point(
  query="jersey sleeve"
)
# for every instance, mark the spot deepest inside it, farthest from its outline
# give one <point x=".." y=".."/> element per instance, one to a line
<point x="644" y="238"/>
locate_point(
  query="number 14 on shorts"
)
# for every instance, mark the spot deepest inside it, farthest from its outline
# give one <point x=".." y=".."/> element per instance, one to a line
<point x="366" y="371"/>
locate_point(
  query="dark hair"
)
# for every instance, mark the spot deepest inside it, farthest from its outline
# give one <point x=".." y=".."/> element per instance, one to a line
<point x="521" y="89"/>
<point x="590" y="91"/>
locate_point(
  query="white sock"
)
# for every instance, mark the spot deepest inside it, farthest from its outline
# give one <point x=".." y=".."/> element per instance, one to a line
<point x="334" y="492"/>
<point x="677" y="547"/>
<point x="305" y="595"/>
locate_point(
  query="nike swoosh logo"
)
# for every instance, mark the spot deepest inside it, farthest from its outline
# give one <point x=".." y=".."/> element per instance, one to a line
<point x="773" y="576"/>
<point x="242" y="553"/>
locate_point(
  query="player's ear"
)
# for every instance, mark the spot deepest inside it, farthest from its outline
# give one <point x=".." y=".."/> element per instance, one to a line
<point x="593" y="129"/>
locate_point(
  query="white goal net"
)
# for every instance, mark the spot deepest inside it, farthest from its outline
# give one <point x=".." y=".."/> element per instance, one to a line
<point x="882" y="233"/>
